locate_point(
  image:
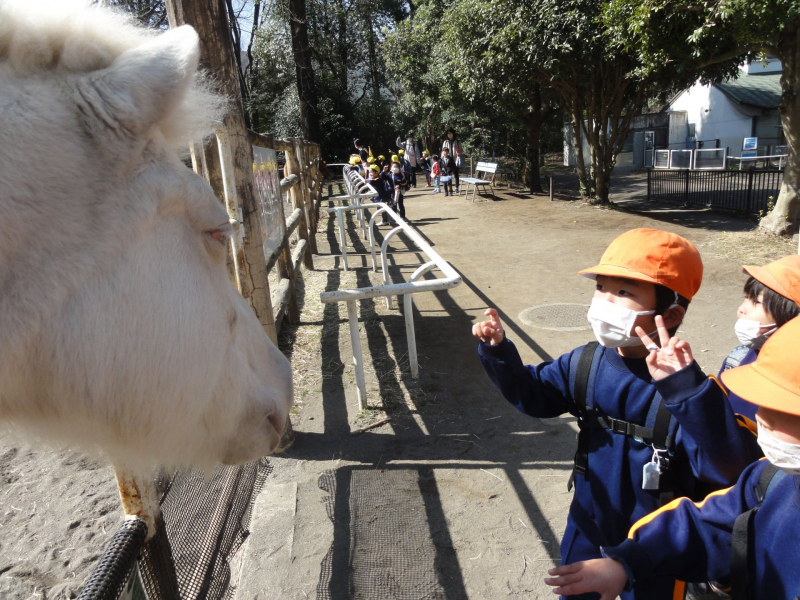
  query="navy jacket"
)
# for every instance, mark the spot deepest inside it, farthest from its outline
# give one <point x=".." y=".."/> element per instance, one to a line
<point x="692" y="542"/>
<point x="744" y="356"/>
<point x="710" y="445"/>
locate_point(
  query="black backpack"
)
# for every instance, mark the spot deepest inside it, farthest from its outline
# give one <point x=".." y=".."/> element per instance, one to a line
<point x="658" y="430"/>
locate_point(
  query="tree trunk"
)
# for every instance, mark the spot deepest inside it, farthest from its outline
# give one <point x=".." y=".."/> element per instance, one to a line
<point x="216" y="55"/>
<point x="783" y="218"/>
<point x="306" y="90"/>
<point x="577" y="142"/>
<point x="373" y="63"/>
<point x="533" y="127"/>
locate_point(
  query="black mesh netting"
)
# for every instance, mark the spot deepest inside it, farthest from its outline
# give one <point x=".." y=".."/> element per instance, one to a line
<point x="383" y="544"/>
<point x="206" y="520"/>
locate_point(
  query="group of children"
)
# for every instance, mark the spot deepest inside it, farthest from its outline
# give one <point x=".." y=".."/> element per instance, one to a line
<point x="392" y="179"/>
<point x="669" y="476"/>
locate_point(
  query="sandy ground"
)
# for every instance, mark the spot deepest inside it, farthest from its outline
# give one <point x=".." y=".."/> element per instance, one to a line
<point x="458" y="495"/>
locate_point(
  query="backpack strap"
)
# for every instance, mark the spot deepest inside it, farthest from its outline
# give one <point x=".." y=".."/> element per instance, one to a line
<point x="742" y="533"/>
<point x="662" y="426"/>
<point x="735" y="358"/>
<point x="581" y="382"/>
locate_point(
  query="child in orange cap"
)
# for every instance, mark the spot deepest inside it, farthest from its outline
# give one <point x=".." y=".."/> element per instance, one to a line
<point x="652" y="426"/>
<point x="745" y="538"/>
<point x="771" y="299"/>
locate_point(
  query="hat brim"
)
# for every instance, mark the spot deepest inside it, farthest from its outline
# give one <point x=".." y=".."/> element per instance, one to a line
<point x="614" y="271"/>
<point x="749" y="383"/>
<point x="767" y="278"/>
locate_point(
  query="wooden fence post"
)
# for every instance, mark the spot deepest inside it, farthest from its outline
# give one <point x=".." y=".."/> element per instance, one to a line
<point x="296" y="194"/>
<point x="300" y="151"/>
<point x="216" y="54"/>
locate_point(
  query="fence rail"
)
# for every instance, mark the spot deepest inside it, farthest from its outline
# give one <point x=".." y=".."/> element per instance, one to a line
<point x="744" y="191"/>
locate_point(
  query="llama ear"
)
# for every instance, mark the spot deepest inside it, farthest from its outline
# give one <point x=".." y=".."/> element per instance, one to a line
<point x="142" y="85"/>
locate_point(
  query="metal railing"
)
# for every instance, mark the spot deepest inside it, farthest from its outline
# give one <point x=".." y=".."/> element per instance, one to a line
<point x="744" y="191"/>
<point x="767" y="160"/>
<point x="412" y="286"/>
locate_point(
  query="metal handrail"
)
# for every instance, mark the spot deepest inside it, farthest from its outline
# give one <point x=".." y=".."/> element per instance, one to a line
<point x="451" y="279"/>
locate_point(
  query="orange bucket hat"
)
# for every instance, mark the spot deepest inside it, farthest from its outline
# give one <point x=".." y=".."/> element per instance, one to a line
<point x="781" y="276"/>
<point x="655" y="256"/>
<point x="773" y="380"/>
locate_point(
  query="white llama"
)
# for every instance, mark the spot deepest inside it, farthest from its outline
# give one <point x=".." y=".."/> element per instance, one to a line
<point x="119" y="327"/>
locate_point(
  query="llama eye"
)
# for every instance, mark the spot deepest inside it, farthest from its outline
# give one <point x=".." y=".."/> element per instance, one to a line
<point x="221" y="234"/>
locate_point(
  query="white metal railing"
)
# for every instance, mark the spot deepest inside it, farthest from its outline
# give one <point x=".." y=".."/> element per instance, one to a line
<point x="702" y="159"/>
<point x="710" y="159"/>
<point x="357" y="191"/>
<point x="661" y="159"/>
<point x="680" y="159"/>
<point x="412" y="286"/>
<point x="766" y="159"/>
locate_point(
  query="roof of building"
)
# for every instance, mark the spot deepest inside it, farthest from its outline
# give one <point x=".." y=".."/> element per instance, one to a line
<point x="756" y="89"/>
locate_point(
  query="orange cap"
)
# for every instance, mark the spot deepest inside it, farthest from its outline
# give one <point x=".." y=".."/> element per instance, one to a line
<point x="773" y="380"/>
<point x="651" y="255"/>
<point x="782" y="276"/>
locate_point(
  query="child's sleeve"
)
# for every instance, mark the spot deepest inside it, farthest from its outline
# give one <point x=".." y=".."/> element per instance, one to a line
<point x="538" y="390"/>
<point x="687" y="540"/>
<point x="717" y="444"/>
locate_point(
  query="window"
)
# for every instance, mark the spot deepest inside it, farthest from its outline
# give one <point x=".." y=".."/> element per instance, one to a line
<point x="691" y="131"/>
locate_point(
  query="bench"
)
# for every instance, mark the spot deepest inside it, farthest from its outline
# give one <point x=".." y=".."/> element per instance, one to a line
<point x="486" y="168"/>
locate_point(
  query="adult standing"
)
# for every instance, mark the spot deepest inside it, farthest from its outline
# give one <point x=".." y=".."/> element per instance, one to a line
<point x="412" y="153"/>
<point x="453" y="147"/>
<point x="363" y="150"/>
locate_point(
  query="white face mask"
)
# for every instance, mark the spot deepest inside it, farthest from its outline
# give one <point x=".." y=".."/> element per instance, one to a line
<point x="749" y="332"/>
<point x="395" y="170"/>
<point x="782" y="454"/>
<point x="613" y="324"/>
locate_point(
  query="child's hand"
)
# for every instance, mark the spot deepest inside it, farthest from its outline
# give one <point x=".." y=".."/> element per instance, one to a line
<point x="490" y="331"/>
<point x="675" y="354"/>
<point x="603" y="575"/>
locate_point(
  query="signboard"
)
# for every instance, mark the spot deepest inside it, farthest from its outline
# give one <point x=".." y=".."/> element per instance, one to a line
<point x="750" y="143"/>
<point x="268" y="187"/>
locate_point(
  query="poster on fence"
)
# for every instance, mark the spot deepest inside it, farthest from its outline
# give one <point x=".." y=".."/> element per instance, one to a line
<point x="268" y="188"/>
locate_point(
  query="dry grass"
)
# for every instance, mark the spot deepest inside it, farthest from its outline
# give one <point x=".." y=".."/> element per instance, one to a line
<point x="749" y="247"/>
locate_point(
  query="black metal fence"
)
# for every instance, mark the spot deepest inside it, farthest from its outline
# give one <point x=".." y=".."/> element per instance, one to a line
<point x="744" y="191"/>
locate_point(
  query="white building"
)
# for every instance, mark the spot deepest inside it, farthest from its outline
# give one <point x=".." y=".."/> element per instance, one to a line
<point x="718" y="115"/>
<point x="721" y="115"/>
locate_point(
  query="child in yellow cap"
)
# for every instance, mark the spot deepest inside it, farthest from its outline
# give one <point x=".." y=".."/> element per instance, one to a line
<point x="652" y="426"/>
<point x="745" y="539"/>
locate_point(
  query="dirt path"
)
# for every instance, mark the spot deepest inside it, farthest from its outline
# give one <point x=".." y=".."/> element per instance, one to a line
<point x="459" y="495"/>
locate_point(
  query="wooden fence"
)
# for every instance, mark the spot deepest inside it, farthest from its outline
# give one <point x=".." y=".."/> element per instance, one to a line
<point x="303" y="182"/>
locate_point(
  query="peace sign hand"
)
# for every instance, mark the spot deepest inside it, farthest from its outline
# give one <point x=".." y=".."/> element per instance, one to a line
<point x="673" y="355"/>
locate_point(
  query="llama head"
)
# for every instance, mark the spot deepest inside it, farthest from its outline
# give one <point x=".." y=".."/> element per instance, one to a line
<point x="119" y="327"/>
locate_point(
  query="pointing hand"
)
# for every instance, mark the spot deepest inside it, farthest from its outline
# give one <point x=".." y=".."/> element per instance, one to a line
<point x="491" y="331"/>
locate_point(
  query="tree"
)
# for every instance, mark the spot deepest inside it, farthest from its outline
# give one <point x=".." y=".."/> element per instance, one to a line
<point x="306" y="91"/>
<point x="708" y="40"/>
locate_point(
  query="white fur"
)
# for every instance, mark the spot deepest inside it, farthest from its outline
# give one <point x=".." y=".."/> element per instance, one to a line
<point x="119" y="328"/>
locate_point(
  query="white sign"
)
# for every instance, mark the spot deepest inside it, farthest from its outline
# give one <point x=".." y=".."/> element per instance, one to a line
<point x="268" y="185"/>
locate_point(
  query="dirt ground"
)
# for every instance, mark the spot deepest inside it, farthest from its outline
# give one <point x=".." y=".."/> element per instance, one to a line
<point x="458" y="495"/>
